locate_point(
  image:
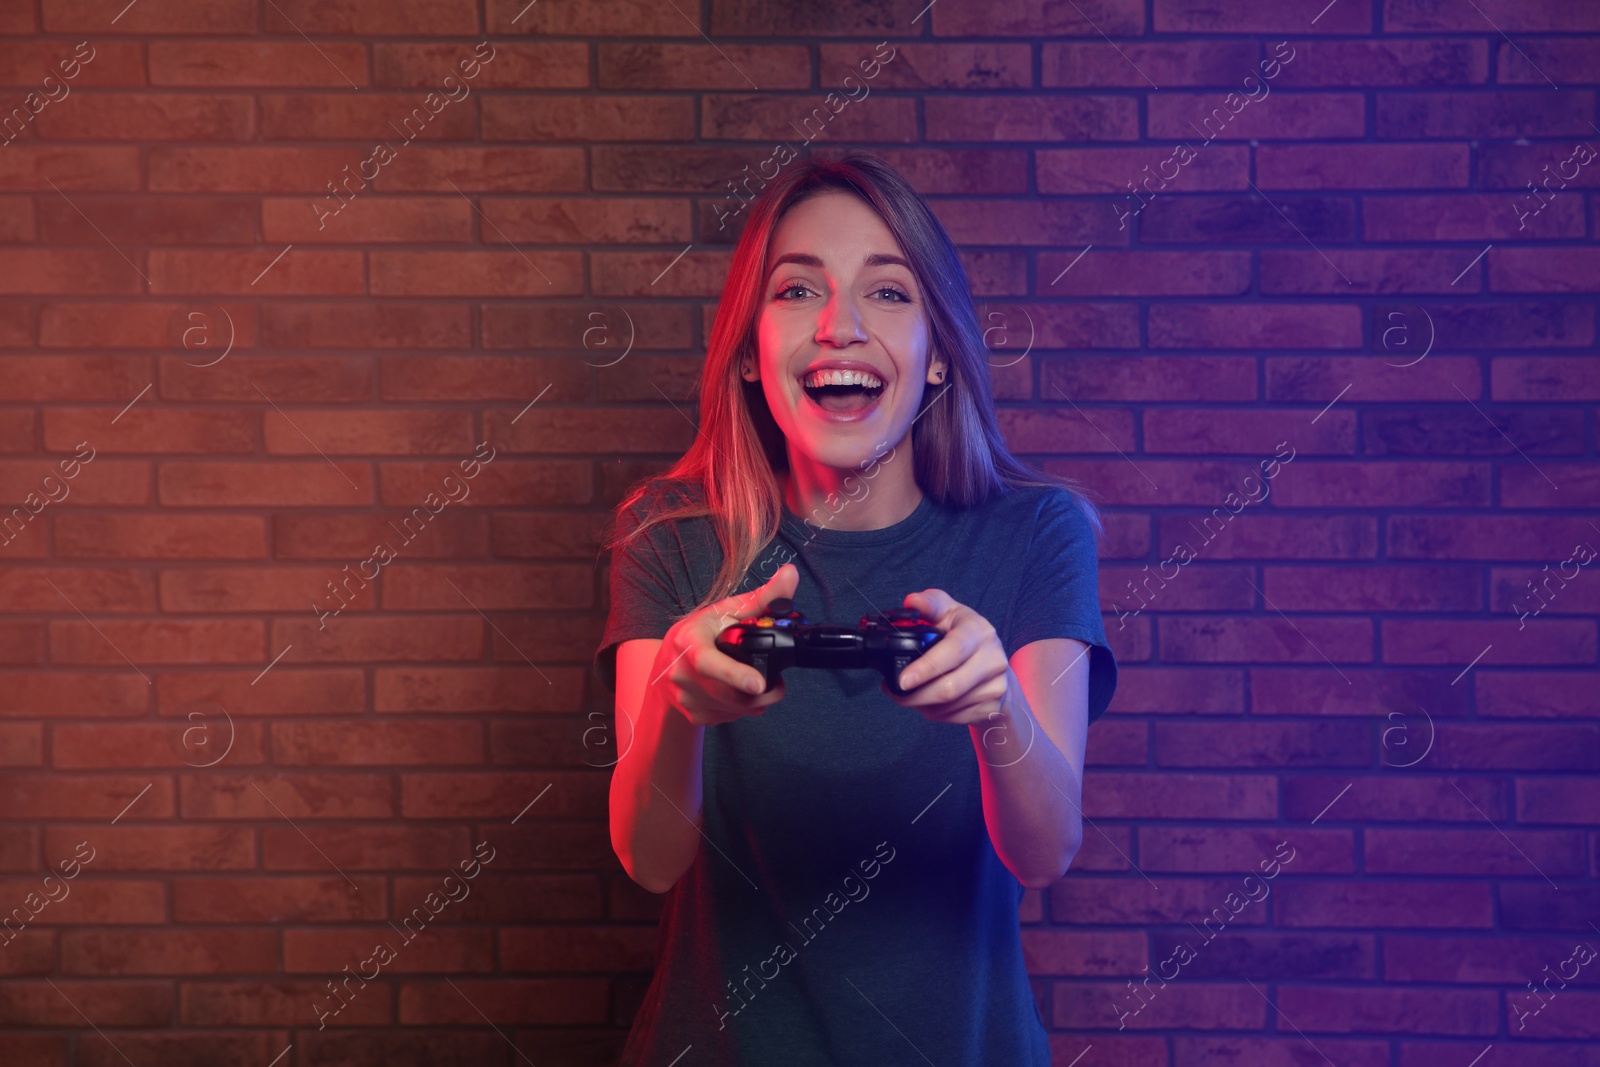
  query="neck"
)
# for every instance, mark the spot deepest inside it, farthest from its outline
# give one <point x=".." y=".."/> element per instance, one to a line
<point x="845" y="498"/>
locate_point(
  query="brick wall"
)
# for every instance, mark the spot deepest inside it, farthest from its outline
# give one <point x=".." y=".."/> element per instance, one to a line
<point x="241" y="343"/>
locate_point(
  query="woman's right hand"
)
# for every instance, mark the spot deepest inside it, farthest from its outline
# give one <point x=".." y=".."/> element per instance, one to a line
<point x="708" y="686"/>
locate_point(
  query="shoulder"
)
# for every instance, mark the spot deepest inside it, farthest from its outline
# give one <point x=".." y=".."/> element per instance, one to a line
<point x="1051" y="510"/>
<point x="653" y="505"/>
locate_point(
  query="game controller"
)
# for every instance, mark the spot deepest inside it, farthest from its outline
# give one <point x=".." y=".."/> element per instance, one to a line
<point x="781" y="637"/>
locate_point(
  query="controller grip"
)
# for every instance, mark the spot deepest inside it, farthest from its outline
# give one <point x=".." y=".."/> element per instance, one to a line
<point x="760" y="659"/>
<point x="897" y="663"/>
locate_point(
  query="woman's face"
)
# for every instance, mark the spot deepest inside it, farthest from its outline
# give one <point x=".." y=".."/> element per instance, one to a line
<point x="839" y="292"/>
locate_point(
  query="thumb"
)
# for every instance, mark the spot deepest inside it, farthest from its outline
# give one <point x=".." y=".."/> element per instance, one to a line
<point x="745" y="605"/>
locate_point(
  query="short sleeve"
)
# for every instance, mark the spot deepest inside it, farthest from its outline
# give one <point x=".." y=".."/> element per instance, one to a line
<point x="1059" y="592"/>
<point x="646" y="576"/>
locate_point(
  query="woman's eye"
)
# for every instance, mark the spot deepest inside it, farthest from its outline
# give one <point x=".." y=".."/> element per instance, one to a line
<point x="789" y="289"/>
<point x="897" y="296"/>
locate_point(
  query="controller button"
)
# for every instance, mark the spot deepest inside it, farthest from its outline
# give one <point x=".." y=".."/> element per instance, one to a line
<point x="763" y="621"/>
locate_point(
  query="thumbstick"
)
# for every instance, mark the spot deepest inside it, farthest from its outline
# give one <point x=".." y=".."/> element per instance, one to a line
<point x="781" y="606"/>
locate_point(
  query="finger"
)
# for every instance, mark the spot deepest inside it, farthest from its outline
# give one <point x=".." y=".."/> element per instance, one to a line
<point x="943" y="656"/>
<point x="949" y="687"/>
<point x="745" y="605"/>
<point x="934" y="604"/>
<point x="717" y="668"/>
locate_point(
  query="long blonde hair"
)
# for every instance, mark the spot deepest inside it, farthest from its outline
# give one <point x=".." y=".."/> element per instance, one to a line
<point x="960" y="458"/>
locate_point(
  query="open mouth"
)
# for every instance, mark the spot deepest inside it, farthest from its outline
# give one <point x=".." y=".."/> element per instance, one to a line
<point x="842" y="393"/>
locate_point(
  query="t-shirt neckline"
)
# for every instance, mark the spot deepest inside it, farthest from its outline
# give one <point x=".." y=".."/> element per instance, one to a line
<point x="920" y="516"/>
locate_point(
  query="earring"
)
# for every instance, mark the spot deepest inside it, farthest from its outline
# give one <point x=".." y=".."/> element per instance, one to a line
<point x="940" y="373"/>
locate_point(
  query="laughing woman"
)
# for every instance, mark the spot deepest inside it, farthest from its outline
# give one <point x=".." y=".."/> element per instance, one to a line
<point x="843" y="865"/>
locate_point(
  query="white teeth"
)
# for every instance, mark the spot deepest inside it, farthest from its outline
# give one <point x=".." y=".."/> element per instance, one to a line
<point x="838" y="376"/>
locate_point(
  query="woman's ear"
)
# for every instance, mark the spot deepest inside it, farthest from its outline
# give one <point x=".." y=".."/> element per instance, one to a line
<point x="749" y="371"/>
<point x="937" y="370"/>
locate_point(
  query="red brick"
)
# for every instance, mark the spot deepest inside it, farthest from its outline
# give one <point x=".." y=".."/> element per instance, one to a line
<point x="114" y="953"/>
<point x="1200" y="118"/>
<point x="110" y="1004"/>
<point x="285" y="690"/>
<point x="102" y="481"/>
<point x="1120" y="170"/>
<point x="307" y="271"/>
<point x="21" y="745"/>
<point x="369" y="219"/>
<point x="148" y="429"/>
<point x="250" y="589"/>
<point x="370" y="847"/>
<point x="277" y="484"/>
<point x="499" y="587"/>
<point x="1509" y="113"/>
<point x="1352" y="271"/>
<point x="426" y="18"/>
<point x="63" y="271"/>
<point x="1535" y="61"/>
<point x="549" y="220"/>
<point x="1362" y="166"/>
<point x="1081" y="1005"/>
<point x="1509" y="16"/>
<point x="935" y="170"/>
<point x="208" y="1005"/>
<point x="451" y="951"/>
<point x="1263" y="744"/>
<point x="151" y="117"/>
<point x="515" y="65"/>
<point x="1544" y="270"/>
<point x="468" y="689"/>
<point x="1558" y="801"/>
<point x="538" y="273"/>
<point x="1268" y="639"/>
<point x="1039" y="18"/>
<point x="146" y="220"/>
<point x="1144" y="274"/>
<point x="296" y="379"/>
<point x="101" y="901"/>
<point x="208" y="328"/>
<point x="1259" y="326"/>
<point x="506" y="1001"/>
<point x="1485" y="852"/>
<point x="1279" y="1051"/>
<point x="258" y="63"/>
<point x="1135" y="378"/>
<point x="1222" y="850"/>
<point x="390" y="638"/>
<point x="392" y="433"/>
<point x="1031" y="119"/>
<point x="370" y="117"/>
<point x="347" y="537"/>
<point x="250" y="169"/>
<point x="1346" y="588"/>
<point x="1005" y="222"/>
<point x="1553" y="641"/>
<point x="25" y="64"/>
<point x="483" y="170"/>
<point x="160" y="536"/>
<point x="203" y="740"/>
<point x="589" y="118"/>
<point x="1102" y="64"/>
<point x="273" y="797"/>
<point x="540" y="483"/>
<point x="1392" y="1011"/>
<point x="1386" y="61"/>
<point x="162" y="641"/>
<point x="1467" y="217"/>
<point x="97" y="589"/>
<point x="1133" y="795"/>
<point x="185" y="17"/>
<point x="1566" y="480"/>
<point x="700" y="66"/>
<point x="42" y="694"/>
<point x="1252" y="432"/>
<point x="1396" y="797"/>
<point x="36" y="167"/>
<point x="1534" y="695"/>
<point x="1393" y="483"/>
<point x="96" y="796"/>
<point x="1376" y="904"/>
<point x="1179" y="690"/>
<point x="1062" y="430"/>
<point x="158" y="848"/>
<point x="412" y="743"/>
<point x="465" y="795"/>
<point x="509" y="378"/>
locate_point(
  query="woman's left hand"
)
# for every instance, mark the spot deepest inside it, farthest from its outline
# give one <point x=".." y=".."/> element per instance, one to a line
<point x="964" y="678"/>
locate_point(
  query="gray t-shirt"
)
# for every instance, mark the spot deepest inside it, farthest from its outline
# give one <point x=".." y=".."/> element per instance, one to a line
<point x="849" y="907"/>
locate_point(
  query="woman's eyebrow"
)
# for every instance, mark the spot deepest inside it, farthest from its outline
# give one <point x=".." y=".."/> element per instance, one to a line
<point x="806" y="259"/>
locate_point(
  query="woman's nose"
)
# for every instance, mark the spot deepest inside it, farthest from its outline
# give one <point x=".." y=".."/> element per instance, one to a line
<point x="840" y="321"/>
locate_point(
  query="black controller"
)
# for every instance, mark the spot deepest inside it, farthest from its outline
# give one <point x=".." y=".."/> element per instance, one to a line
<point x="781" y="637"/>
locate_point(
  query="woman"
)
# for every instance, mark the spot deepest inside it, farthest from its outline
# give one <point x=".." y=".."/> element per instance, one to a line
<point x="843" y="865"/>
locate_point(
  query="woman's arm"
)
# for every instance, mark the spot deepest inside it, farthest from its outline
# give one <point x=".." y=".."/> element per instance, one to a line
<point x="1030" y="761"/>
<point x="655" y="786"/>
